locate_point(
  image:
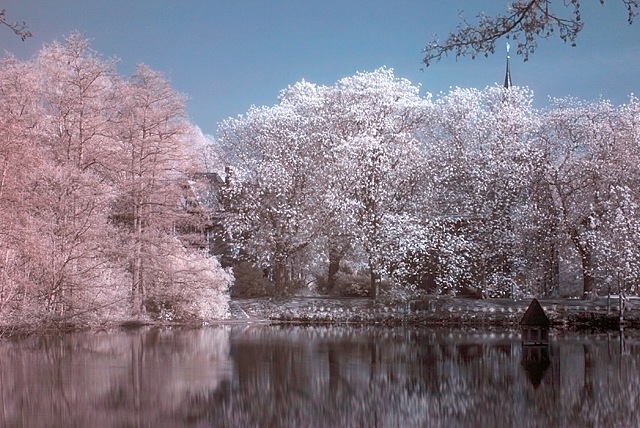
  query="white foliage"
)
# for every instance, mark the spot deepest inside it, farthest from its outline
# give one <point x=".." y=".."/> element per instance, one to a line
<point x="476" y="187"/>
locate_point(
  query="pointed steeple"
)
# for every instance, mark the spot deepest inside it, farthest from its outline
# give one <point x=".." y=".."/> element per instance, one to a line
<point x="507" y="76"/>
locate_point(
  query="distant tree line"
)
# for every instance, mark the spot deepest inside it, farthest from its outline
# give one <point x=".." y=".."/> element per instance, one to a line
<point x="474" y="192"/>
<point x="97" y="216"/>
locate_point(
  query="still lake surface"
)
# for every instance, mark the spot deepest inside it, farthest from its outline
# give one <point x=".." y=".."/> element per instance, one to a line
<point x="338" y="376"/>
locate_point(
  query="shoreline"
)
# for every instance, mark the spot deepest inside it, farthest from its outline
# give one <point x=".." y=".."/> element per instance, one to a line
<point x="432" y="311"/>
<point x="571" y="314"/>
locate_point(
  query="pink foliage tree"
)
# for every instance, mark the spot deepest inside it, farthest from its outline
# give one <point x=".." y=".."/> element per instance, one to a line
<point x="94" y="172"/>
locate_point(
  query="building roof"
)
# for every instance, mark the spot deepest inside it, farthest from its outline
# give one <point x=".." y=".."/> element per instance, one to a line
<point x="535" y="316"/>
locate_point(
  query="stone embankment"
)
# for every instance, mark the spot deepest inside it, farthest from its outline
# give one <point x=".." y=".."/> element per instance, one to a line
<point x="443" y="311"/>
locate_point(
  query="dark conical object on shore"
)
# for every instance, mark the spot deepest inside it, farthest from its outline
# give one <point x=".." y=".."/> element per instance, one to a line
<point x="535" y="316"/>
<point x="535" y="342"/>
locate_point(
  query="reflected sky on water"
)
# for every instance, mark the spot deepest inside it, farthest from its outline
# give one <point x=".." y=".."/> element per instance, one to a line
<point x="277" y="376"/>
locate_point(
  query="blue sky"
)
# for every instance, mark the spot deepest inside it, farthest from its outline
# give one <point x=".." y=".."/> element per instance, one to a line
<point x="227" y="55"/>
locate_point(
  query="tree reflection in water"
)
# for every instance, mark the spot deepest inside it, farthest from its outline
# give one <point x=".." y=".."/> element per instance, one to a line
<point x="256" y="375"/>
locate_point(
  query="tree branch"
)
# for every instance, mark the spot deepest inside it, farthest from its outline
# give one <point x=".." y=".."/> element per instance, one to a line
<point x="525" y="23"/>
<point x="19" y="28"/>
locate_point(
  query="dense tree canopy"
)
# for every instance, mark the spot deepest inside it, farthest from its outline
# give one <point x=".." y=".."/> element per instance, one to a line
<point x="326" y="167"/>
<point x="473" y="192"/>
<point x="92" y="178"/>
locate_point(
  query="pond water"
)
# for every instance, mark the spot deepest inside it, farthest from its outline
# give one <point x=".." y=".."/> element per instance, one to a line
<point x="283" y="376"/>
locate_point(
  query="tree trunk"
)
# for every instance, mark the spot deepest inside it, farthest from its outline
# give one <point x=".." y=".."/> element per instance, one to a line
<point x="338" y="247"/>
<point x="136" y="280"/>
<point x="551" y="271"/>
<point x="136" y="268"/>
<point x="374" y="290"/>
<point x="588" y="274"/>
<point x="586" y="260"/>
<point x="336" y="252"/>
<point x="334" y="268"/>
<point x="280" y="272"/>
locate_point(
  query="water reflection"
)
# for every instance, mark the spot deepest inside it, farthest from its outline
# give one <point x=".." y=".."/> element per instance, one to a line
<point x="246" y="376"/>
<point x="536" y="361"/>
<point x="116" y="379"/>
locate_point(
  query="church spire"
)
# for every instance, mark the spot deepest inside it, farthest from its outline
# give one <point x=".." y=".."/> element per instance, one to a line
<point x="507" y="76"/>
